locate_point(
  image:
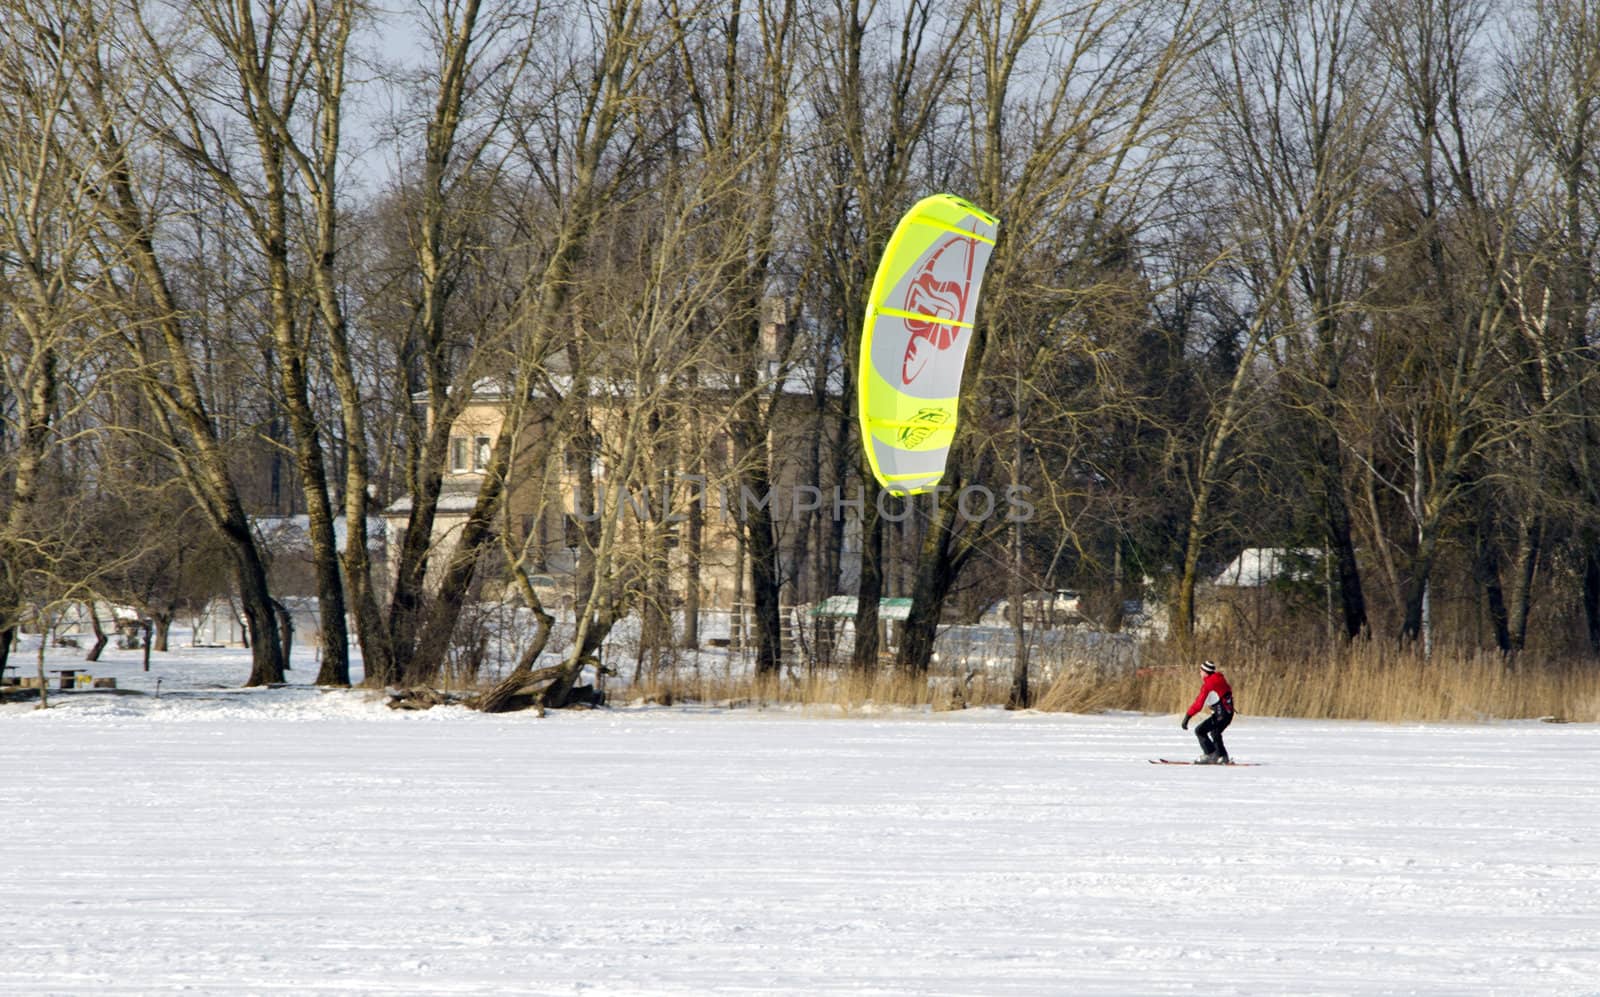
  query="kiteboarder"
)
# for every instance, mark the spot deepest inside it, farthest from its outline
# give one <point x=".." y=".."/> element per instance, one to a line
<point x="1217" y="694"/>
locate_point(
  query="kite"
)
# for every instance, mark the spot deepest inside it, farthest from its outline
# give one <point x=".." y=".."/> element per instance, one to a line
<point x="914" y="342"/>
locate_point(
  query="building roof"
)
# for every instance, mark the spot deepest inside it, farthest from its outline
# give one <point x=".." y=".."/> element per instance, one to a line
<point x="454" y="497"/>
<point x="845" y="606"/>
<point x="795" y="379"/>
<point x="286" y="533"/>
<point x="1256" y="566"/>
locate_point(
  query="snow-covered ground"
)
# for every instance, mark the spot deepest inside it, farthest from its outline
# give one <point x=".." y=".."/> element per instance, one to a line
<point x="301" y="842"/>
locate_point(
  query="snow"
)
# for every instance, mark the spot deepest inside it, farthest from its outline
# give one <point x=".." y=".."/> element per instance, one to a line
<point x="1258" y="566"/>
<point x="225" y="841"/>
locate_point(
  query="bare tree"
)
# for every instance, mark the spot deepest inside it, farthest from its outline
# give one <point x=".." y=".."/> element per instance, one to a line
<point x="657" y="263"/>
<point x="740" y="114"/>
<point x="1303" y="100"/>
<point x="446" y="196"/>
<point x="1075" y="174"/>
<point x="156" y="333"/>
<point x="285" y="64"/>
<point x="1552" y="80"/>
<point x="875" y="95"/>
<point x="55" y="298"/>
<point x="576" y="131"/>
<point x="1438" y="397"/>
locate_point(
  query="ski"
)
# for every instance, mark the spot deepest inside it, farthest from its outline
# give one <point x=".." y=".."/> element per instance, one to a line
<point x="1174" y="761"/>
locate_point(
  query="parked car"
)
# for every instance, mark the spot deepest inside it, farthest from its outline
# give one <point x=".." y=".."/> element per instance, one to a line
<point x="552" y="593"/>
<point x="1062" y="606"/>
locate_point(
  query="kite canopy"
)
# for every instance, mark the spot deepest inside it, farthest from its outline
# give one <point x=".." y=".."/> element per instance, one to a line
<point x="914" y="343"/>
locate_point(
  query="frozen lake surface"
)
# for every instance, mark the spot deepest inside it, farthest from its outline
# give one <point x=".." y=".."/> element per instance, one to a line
<point x="300" y="842"/>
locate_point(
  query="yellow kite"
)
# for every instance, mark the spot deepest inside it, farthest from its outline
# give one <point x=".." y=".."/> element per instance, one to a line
<point x="914" y="342"/>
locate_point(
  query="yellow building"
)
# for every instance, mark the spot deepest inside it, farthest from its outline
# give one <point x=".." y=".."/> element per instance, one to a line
<point x="688" y="473"/>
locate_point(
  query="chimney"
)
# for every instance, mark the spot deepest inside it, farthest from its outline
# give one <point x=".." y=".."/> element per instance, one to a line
<point x="774" y="326"/>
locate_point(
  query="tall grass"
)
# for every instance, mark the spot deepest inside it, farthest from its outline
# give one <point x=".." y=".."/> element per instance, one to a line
<point x="837" y="690"/>
<point x="1369" y="681"/>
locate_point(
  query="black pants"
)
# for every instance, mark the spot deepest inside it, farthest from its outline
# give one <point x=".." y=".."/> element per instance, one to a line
<point x="1210" y="733"/>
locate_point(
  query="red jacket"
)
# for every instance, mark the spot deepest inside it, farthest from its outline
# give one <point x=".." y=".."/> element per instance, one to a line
<point x="1215" y="693"/>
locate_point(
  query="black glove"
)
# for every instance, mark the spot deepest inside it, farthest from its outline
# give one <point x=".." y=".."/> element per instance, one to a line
<point x="1185" y="724"/>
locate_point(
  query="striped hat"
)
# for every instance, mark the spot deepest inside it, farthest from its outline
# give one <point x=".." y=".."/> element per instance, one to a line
<point x="1208" y="666"/>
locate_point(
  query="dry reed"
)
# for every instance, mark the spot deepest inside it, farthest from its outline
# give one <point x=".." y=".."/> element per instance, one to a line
<point x="1358" y="682"/>
<point x="839" y="690"/>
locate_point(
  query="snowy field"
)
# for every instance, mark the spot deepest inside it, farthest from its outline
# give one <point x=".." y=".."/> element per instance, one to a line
<point x="292" y="841"/>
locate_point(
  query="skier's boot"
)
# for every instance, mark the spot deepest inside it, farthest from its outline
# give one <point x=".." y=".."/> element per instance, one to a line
<point x="1220" y="759"/>
<point x="1206" y="759"/>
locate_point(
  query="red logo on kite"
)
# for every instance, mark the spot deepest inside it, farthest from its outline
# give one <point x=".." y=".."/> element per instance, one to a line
<point x="938" y="292"/>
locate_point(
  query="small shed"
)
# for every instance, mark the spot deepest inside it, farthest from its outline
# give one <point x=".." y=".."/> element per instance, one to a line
<point x="892" y="615"/>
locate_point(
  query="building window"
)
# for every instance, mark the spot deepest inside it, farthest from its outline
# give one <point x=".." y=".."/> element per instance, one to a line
<point x="470" y="453"/>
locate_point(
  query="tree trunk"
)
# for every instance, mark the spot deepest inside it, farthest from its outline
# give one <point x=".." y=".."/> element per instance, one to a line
<point x="266" y="651"/>
<point x="100" y="637"/>
<point x="691" y="582"/>
<point x="1020" y="696"/>
<point x="833" y="527"/>
<point x="1341" y="543"/>
<point x="938" y="564"/>
<point x="285" y="631"/>
<point x="655" y="631"/>
<point x="1486" y="572"/>
<point x="1528" y="546"/>
<point x="1414" y="626"/>
<point x="335" y="640"/>
<point x="387" y="661"/>
<point x="1591" y="595"/>
<point x="434" y="640"/>
<point x="755" y="512"/>
<point x="500" y="698"/>
<point x="1183" y="612"/>
<point x="869" y="587"/>
<point x="475" y="536"/>
<point x="44" y="687"/>
<point x="309" y="456"/>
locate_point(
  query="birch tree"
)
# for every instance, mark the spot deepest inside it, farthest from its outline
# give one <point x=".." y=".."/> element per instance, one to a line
<point x="1466" y="188"/>
<point x="1552" y="80"/>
